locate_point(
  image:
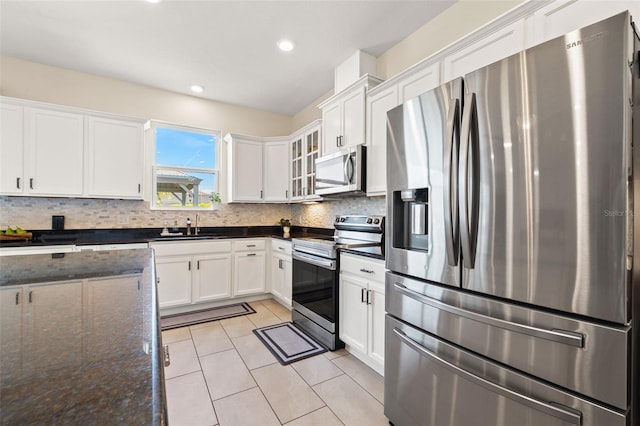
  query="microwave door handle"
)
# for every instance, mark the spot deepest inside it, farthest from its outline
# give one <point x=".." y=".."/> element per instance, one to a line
<point x="349" y="169"/>
<point x="450" y="183"/>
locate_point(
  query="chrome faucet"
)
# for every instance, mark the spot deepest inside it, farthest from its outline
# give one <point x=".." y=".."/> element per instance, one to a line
<point x="197" y="230"/>
<point x="188" y="226"/>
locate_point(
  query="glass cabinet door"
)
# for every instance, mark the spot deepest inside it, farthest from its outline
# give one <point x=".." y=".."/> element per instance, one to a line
<point x="296" y="168"/>
<point x="311" y="153"/>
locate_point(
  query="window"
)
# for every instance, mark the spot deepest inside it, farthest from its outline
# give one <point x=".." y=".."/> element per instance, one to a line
<point x="185" y="167"/>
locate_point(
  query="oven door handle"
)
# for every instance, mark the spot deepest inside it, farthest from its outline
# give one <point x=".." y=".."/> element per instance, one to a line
<point x="317" y="261"/>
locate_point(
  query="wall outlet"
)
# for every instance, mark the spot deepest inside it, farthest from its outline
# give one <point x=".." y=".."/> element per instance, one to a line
<point x="123" y="219"/>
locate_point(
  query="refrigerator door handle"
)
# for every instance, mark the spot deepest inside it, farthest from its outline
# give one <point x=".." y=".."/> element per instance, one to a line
<point x="450" y="183"/>
<point x="553" y="409"/>
<point x="469" y="175"/>
<point x="555" y="335"/>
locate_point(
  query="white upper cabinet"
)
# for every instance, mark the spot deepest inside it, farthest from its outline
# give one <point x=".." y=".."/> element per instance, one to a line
<point x="502" y="43"/>
<point x="380" y="100"/>
<point x="49" y="150"/>
<point x="305" y="148"/>
<point x="344" y="114"/>
<point x="563" y="16"/>
<point x="276" y="171"/>
<point x="258" y="169"/>
<point x="245" y="166"/>
<point x="55" y="146"/>
<point x="116" y="157"/>
<point x="11" y="149"/>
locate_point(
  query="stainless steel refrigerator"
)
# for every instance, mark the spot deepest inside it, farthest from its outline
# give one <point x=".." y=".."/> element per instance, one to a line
<point x="513" y="282"/>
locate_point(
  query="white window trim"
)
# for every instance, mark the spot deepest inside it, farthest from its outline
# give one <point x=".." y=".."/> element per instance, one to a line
<point x="152" y="126"/>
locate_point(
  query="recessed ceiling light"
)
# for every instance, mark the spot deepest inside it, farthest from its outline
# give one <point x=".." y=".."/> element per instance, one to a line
<point x="196" y="88"/>
<point x="154" y="1"/>
<point x="285" y="45"/>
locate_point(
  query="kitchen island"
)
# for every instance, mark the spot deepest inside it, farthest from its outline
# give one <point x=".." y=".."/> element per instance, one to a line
<point x="79" y="339"/>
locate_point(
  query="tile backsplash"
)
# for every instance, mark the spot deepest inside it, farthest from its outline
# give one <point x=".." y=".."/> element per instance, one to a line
<point x="81" y="213"/>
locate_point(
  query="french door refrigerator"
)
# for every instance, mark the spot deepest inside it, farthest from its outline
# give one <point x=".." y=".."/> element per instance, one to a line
<point x="512" y="284"/>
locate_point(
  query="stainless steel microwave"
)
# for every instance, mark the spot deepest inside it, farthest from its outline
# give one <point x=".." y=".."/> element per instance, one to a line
<point x="343" y="172"/>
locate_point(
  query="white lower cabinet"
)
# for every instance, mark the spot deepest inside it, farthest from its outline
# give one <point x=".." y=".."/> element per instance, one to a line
<point x="362" y="308"/>
<point x="192" y="272"/>
<point x="281" y="271"/>
<point x="249" y="267"/>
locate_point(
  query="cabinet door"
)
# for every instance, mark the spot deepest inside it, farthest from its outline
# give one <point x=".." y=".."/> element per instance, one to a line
<point x="48" y="327"/>
<point x="287" y="288"/>
<point x="249" y="273"/>
<point x="376" y="312"/>
<point x="105" y="338"/>
<point x="353" y="116"/>
<point x="332" y="127"/>
<point x="56" y="152"/>
<point x="174" y="280"/>
<point x="11" y="149"/>
<point x="312" y="150"/>
<point x="276" y="176"/>
<point x="499" y="45"/>
<point x="561" y="17"/>
<point x="277" y="277"/>
<point x="419" y="82"/>
<point x="297" y="168"/>
<point x="116" y="159"/>
<point x="378" y="105"/>
<point x="353" y="312"/>
<point x="212" y="278"/>
<point x="247" y="171"/>
<point x="11" y="329"/>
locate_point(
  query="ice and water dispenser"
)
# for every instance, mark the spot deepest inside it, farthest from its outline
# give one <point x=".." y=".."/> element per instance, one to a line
<point x="411" y="219"/>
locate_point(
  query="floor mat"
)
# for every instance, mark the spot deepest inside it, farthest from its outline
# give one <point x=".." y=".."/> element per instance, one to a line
<point x="205" y="315"/>
<point x="287" y="343"/>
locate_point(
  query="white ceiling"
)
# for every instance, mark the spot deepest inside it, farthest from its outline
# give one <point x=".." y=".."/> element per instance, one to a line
<point x="229" y="47"/>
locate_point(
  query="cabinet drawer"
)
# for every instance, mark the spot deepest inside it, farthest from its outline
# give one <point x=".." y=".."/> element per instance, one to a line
<point x="249" y="245"/>
<point x="194" y="247"/>
<point x="280" y="246"/>
<point x="370" y="269"/>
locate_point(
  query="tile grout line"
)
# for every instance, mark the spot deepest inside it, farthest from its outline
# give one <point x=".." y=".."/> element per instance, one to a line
<point x="213" y="407"/>
<point x="359" y="385"/>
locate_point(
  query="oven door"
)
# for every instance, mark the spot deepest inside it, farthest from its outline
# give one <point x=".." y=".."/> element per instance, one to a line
<point x="315" y="288"/>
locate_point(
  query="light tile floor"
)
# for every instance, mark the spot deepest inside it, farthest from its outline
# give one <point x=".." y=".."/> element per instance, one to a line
<point x="221" y="374"/>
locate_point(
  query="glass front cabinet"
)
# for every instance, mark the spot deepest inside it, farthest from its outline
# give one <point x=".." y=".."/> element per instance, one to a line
<point x="305" y="148"/>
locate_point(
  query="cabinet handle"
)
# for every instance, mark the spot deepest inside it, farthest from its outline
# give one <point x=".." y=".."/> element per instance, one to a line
<point x="280" y="248"/>
<point x="138" y="285"/>
<point x="367" y="271"/>
<point x="198" y="265"/>
<point x="286" y="193"/>
<point x="362" y="295"/>
<point x="167" y="358"/>
<point x="30" y="296"/>
<point x="279" y="263"/>
<point x="251" y="254"/>
<point x="369" y="297"/>
<point x="18" y="183"/>
<point x="30" y="183"/>
<point x="261" y="194"/>
<point x="337" y="140"/>
<point x="251" y="245"/>
<point x="139" y="188"/>
<point x="17" y="298"/>
<point x="189" y="265"/>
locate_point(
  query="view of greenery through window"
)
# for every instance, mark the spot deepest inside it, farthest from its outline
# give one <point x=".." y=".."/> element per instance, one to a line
<point x="185" y="167"/>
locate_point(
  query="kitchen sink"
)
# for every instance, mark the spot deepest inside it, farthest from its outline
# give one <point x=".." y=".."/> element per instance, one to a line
<point x="200" y="236"/>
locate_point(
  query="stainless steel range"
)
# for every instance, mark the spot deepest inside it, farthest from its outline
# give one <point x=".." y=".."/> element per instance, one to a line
<point x="315" y="274"/>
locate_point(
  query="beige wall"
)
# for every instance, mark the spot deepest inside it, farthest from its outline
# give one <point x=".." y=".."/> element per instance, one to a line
<point x="29" y="80"/>
<point x="452" y="24"/>
<point x="309" y="113"/>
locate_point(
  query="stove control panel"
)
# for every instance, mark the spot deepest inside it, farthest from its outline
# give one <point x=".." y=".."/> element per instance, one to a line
<point x="360" y="223"/>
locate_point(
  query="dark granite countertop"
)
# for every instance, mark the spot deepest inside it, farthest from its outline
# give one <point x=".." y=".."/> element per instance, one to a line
<point x="80" y="339"/>
<point x="145" y="235"/>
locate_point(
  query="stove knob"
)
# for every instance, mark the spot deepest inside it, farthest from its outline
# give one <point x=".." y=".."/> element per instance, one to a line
<point x="369" y="220"/>
<point x="376" y="221"/>
<point x="337" y="219"/>
<point x="342" y="219"/>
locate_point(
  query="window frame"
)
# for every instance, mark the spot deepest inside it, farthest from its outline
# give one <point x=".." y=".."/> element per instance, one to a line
<point x="216" y="171"/>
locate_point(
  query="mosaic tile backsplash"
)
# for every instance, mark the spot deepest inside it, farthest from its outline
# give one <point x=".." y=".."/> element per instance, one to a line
<point x="35" y="213"/>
